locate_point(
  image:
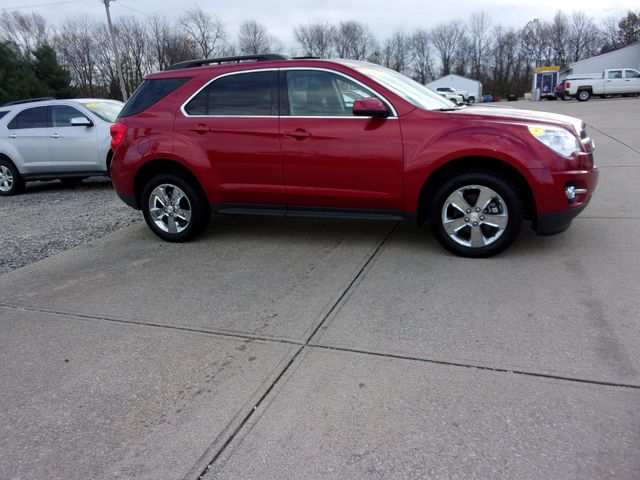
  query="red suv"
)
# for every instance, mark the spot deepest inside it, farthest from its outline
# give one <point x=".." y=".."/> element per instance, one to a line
<point x="271" y="135"/>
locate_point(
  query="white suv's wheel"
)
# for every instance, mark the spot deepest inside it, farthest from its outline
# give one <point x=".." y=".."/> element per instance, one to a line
<point x="11" y="182"/>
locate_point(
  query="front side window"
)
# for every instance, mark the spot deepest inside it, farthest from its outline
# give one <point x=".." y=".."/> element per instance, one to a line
<point x="319" y="93"/>
<point x="615" y="74"/>
<point x="36" y="117"/>
<point x="631" y="74"/>
<point x="61" y="115"/>
<point x="244" y="94"/>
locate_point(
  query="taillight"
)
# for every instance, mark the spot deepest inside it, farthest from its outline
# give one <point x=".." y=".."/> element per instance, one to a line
<point x="117" y="134"/>
<point x="567" y="84"/>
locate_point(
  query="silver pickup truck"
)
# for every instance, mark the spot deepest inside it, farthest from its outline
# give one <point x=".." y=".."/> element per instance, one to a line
<point x="615" y="81"/>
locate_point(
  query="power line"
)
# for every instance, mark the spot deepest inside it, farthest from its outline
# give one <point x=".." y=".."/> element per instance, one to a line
<point x="22" y="7"/>
<point x="121" y="4"/>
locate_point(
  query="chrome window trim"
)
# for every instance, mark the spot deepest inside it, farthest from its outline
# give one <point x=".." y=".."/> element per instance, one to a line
<point x="393" y="116"/>
<point x="381" y="97"/>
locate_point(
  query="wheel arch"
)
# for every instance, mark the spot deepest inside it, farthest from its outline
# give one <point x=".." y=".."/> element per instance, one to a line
<point x="465" y="164"/>
<point x="6" y="157"/>
<point x="160" y="166"/>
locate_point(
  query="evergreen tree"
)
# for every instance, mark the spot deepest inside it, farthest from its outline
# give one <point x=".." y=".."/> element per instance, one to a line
<point x="55" y="77"/>
<point x="17" y="78"/>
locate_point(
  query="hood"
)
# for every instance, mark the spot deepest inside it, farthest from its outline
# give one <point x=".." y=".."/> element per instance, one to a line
<point x="525" y="116"/>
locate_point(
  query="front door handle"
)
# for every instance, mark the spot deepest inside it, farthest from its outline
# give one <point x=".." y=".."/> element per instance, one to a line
<point x="54" y="135"/>
<point x="298" y="134"/>
<point x="200" y="129"/>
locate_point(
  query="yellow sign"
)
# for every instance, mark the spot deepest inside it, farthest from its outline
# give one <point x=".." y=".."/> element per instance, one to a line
<point x="546" y="69"/>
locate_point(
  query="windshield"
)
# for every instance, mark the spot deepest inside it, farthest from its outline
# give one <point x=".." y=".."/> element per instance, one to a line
<point x="107" y="110"/>
<point x="404" y="87"/>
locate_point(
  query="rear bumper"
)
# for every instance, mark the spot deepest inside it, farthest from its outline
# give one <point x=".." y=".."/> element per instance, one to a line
<point x="556" y="222"/>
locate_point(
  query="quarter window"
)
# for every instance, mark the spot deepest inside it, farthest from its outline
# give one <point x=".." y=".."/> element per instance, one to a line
<point x="318" y="93"/>
<point x="61" y="115"/>
<point x="36" y="117"/>
<point x="245" y="94"/>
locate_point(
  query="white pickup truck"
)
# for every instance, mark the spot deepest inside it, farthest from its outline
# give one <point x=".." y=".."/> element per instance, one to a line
<point x="615" y="81"/>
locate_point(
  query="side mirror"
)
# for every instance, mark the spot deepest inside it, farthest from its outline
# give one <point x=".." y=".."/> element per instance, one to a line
<point x="81" y="122"/>
<point x="370" y="107"/>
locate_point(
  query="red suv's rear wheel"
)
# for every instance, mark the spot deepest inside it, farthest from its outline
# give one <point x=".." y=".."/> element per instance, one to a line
<point x="174" y="209"/>
<point x="476" y="214"/>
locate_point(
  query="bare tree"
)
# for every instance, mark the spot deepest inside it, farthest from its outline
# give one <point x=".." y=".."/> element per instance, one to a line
<point x="479" y="43"/>
<point x="396" y="52"/>
<point x="27" y="30"/>
<point x="316" y="39"/>
<point x="421" y="59"/>
<point x="353" y="40"/>
<point x="77" y="46"/>
<point x="254" y="39"/>
<point x="207" y="32"/>
<point x="446" y="39"/>
<point x="584" y="37"/>
<point x="559" y="29"/>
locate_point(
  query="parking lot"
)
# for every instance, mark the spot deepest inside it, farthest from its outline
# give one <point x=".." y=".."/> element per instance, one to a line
<point x="291" y="348"/>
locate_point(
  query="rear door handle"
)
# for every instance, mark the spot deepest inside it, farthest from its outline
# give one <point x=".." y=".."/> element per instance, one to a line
<point x="54" y="135"/>
<point x="298" y="134"/>
<point x="12" y="135"/>
<point x="200" y="129"/>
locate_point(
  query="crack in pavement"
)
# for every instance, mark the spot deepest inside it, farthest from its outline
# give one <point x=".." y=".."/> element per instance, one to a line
<point x="346" y="290"/>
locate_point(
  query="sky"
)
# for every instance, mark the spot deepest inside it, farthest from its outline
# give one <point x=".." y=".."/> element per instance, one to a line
<point x="383" y="16"/>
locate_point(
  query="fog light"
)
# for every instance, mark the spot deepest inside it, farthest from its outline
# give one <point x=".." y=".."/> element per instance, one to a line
<point x="571" y="192"/>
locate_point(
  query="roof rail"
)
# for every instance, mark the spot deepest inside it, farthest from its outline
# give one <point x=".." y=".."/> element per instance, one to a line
<point x="28" y="100"/>
<point x="239" y="59"/>
<point x="307" y="57"/>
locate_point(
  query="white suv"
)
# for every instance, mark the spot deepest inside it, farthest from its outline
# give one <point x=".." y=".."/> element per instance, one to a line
<point x="45" y="139"/>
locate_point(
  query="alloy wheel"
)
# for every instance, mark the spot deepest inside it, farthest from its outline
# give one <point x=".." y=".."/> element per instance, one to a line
<point x="474" y="216"/>
<point x="170" y="208"/>
<point x="6" y="179"/>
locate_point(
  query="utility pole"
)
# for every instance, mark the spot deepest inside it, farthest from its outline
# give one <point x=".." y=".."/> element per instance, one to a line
<point x="123" y="89"/>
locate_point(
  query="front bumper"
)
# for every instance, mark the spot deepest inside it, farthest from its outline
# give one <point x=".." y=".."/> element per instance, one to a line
<point x="556" y="222"/>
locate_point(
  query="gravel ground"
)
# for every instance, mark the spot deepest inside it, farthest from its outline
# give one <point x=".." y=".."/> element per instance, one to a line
<point x="50" y="217"/>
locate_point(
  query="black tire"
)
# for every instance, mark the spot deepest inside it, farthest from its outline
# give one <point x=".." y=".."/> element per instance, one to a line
<point x="196" y="203"/>
<point x="583" y="95"/>
<point x="12" y="182"/>
<point x="506" y="206"/>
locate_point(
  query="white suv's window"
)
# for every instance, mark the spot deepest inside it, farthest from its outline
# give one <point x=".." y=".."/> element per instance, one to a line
<point x="36" y="117"/>
<point x="61" y="115"/>
<point x="613" y="74"/>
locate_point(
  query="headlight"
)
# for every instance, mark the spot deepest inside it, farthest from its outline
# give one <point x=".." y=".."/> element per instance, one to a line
<point x="557" y="139"/>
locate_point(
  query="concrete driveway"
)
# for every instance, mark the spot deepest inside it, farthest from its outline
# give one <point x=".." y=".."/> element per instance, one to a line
<point x="284" y="348"/>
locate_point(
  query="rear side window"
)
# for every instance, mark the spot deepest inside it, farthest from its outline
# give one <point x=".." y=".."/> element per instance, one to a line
<point x="615" y="74"/>
<point x="150" y="92"/>
<point x="246" y="94"/>
<point x="37" y="117"/>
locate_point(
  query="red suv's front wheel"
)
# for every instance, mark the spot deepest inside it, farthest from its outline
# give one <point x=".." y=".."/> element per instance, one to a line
<point x="476" y="214"/>
<point x="174" y="209"/>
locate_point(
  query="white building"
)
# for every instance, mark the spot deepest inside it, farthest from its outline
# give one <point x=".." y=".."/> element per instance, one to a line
<point x="626" y="57"/>
<point x="474" y="87"/>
